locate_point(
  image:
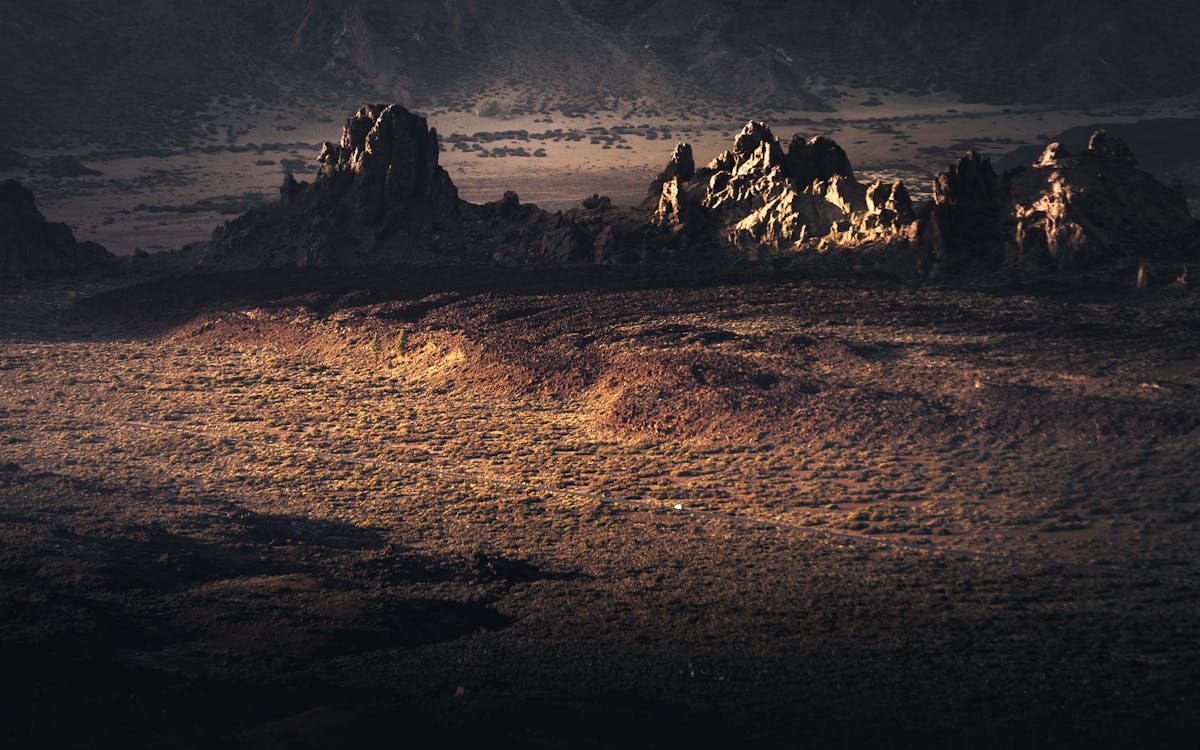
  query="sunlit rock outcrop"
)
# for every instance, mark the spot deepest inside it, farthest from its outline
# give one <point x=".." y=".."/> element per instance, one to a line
<point x="1065" y="211"/>
<point x="1075" y="210"/>
<point x="760" y="195"/>
<point x="380" y="196"/>
<point x="32" y="246"/>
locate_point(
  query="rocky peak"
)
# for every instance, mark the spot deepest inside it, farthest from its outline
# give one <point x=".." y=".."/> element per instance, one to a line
<point x="817" y="159"/>
<point x="682" y="165"/>
<point x="969" y="181"/>
<point x="757" y="194"/>
<point x="1052" y="155"/>
<point x="964" y="224"/>
<point x="752" y="137"/>
<point x="393" y="157"/>
<point x="379" y="192"/>
<point x="756" y="149"/>
<point x="1077" y="210"/>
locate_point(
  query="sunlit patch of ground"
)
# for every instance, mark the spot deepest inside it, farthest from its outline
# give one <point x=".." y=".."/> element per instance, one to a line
<point x="783" y="510"/>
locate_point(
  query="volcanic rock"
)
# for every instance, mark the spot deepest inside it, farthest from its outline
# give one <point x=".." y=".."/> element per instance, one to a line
<point x="968" y="210"/>
<point x="380" y="194"/>
<point x="1065" y="210"/>
<point x="388" y="161"/>
<point x="32" y="246"/>
<point x="681" y="165"/>
<point x="757" y="194"/>
<point x="818" y="158"/>
<point x="1075" y="211"/>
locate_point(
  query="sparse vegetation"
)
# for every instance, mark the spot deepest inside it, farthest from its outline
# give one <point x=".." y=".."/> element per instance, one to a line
<point x="596" y="492"/>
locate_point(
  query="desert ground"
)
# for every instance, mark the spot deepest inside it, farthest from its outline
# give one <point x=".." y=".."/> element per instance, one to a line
<point x="598" y="508"/>
<point x="159" y="191"/>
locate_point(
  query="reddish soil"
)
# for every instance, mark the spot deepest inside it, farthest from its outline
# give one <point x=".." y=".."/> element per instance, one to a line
<point x="440" y="506"/>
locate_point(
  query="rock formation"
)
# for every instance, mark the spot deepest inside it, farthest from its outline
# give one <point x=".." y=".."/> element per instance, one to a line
<point x="965" y="222"/>
<point x="1066" y="210"/>
<point x="32" y="246"/>
<point x="759" y="195"/>
<point x="1076" y="210"/>
<point x="380" y="194"/>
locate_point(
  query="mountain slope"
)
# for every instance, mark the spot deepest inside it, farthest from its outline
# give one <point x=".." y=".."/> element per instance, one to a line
<point x="89" y="70"/>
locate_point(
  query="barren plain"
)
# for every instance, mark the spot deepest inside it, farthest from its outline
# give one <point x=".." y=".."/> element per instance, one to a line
<point x="598" y="508"/>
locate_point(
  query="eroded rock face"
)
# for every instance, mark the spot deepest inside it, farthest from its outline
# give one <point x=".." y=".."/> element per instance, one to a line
<point x="1065" y="210"/>
<point x="388" y="160"/>
<point x="1076" y="210"/>
<point x="966" y="220"/>
<point x="380" y="195"/>
<point x="757" y="194"/>
<point x="32" y="246"/>
<point x="818" y="158"/>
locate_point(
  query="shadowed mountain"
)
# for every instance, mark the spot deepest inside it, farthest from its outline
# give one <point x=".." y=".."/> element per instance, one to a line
<point x="143" y="64"/>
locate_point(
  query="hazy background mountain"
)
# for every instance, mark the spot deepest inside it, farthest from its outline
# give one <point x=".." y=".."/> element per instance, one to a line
<point x="80" y="70"/>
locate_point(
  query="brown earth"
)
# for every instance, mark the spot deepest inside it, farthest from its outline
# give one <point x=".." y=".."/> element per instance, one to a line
<point x="598" y="508"/>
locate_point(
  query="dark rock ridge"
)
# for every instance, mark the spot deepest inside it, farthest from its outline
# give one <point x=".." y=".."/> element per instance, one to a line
<point x="381" y="196"/>
<point x="380" y="193"/>
<point x="32" y="246"/>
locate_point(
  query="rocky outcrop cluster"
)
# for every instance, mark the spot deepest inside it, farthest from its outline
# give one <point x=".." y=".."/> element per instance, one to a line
<point x="31" y="246"/>
<point x="1075" y="210"/>
<point x="381" y="196"/>
<point x="760" y="194"/>
<point x="1066" y="210"/>
<point x="387" y="165"/>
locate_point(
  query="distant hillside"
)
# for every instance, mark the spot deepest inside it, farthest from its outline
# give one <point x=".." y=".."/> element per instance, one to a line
<point x="97" y="71"/>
